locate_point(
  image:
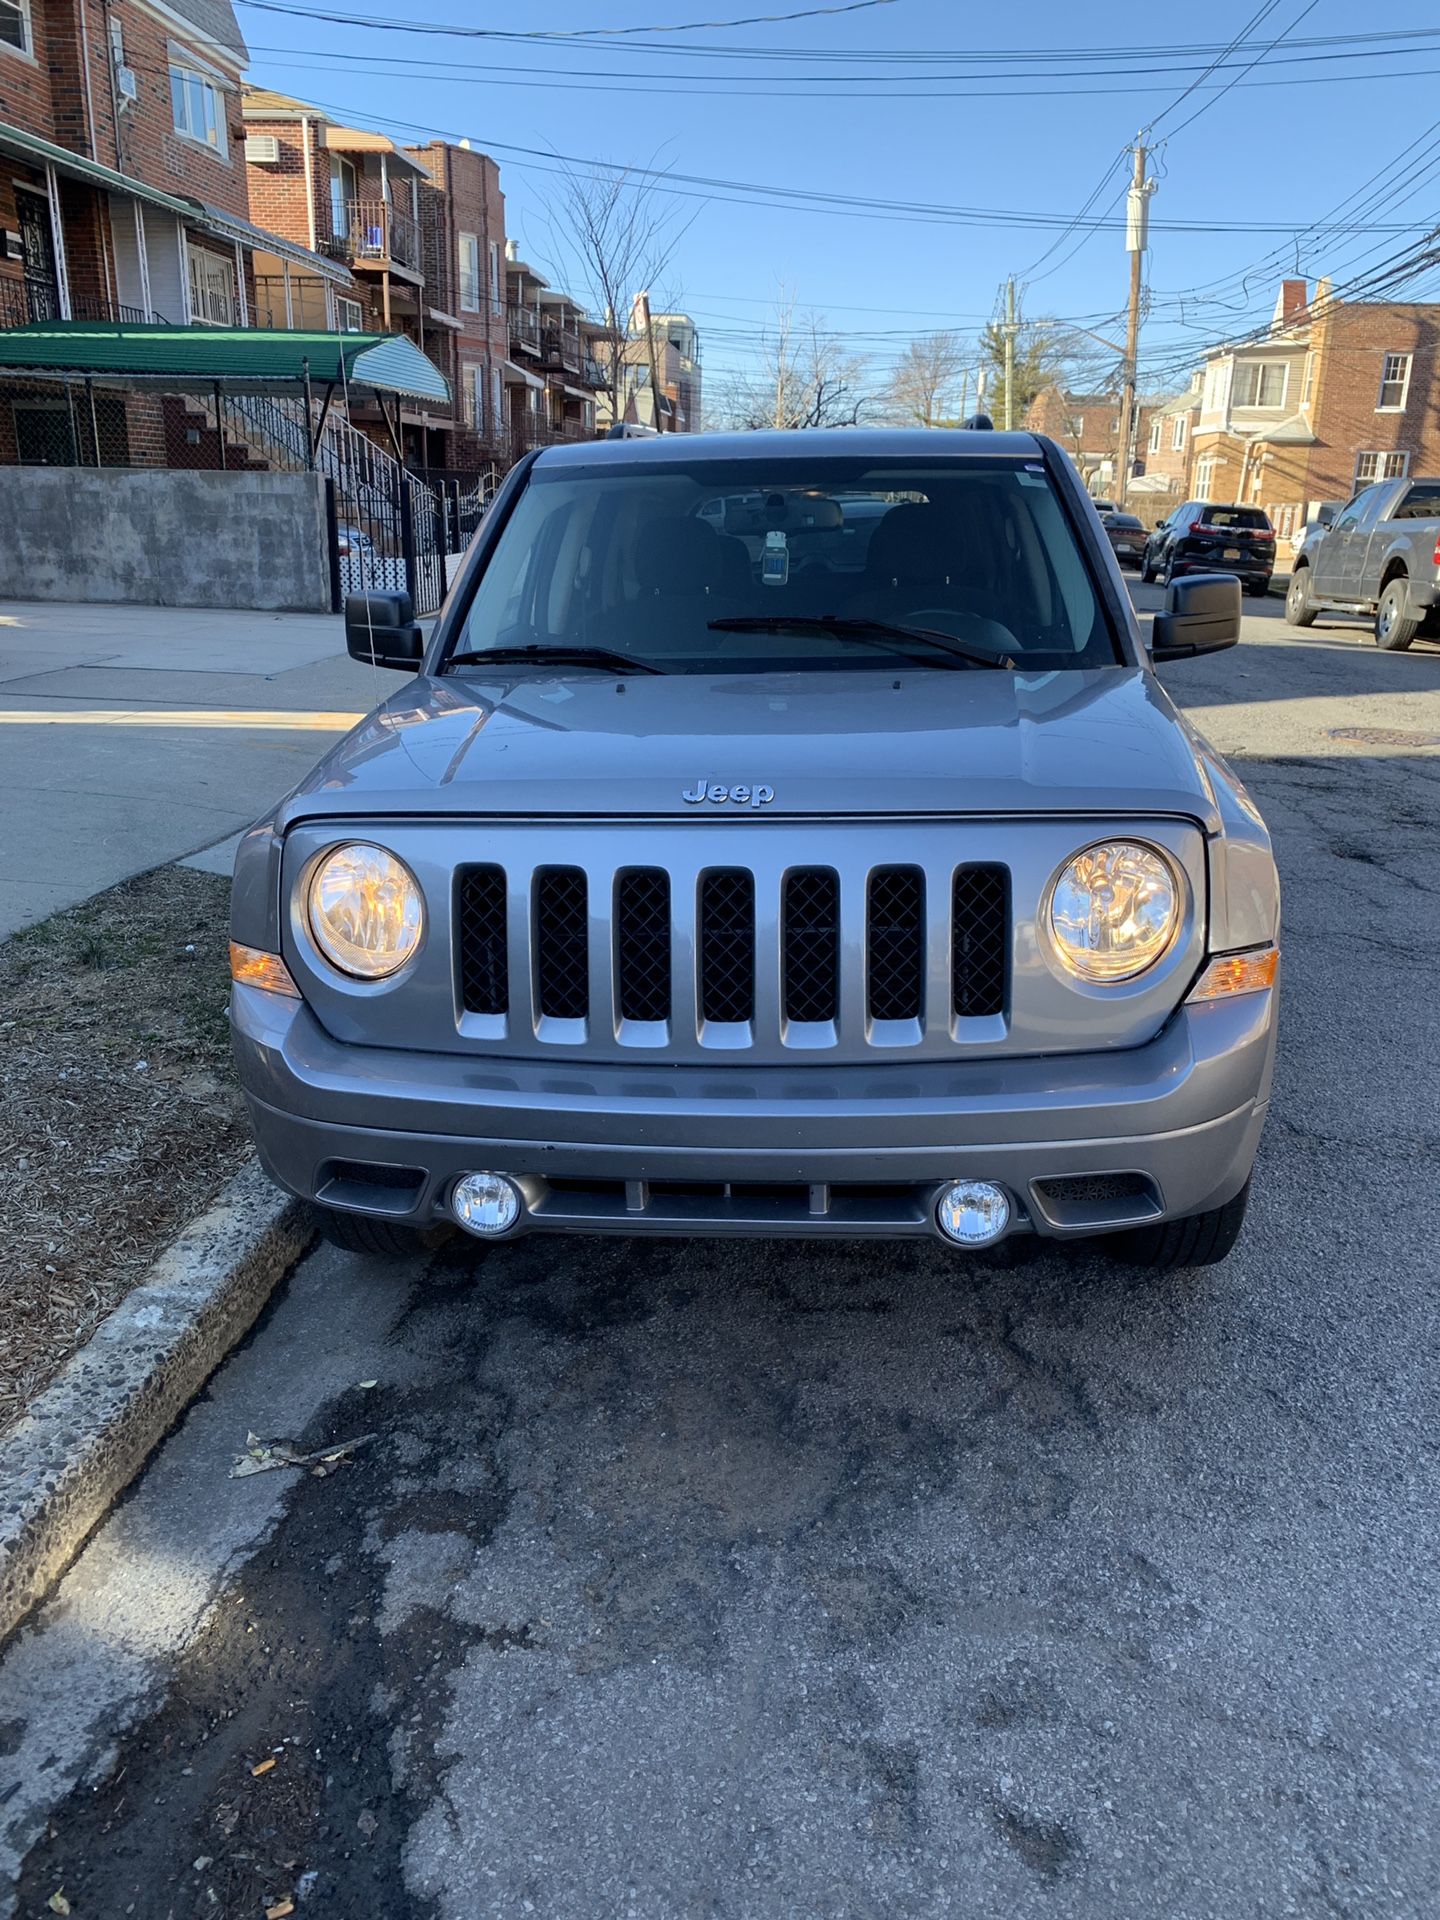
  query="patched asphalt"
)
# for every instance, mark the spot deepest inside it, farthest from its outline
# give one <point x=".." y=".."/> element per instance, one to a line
<point x="755" y="1579"/>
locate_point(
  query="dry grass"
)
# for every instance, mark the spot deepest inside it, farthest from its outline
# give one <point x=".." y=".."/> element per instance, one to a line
<point x="121" y="1118"/>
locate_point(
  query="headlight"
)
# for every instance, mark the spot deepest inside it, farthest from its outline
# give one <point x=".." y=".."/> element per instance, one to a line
<point x="366" y="913"/>
<point x="1114" y="910"/>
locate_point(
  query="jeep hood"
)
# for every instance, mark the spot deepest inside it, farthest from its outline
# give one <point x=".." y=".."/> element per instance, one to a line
<point x="856" y="742"/>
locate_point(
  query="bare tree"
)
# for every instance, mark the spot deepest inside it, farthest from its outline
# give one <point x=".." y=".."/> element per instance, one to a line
<point x="613" y="239"/>
<point x="1047" y="354"/>
<point x="804" y="377"/>
<point x="925" y="388"/>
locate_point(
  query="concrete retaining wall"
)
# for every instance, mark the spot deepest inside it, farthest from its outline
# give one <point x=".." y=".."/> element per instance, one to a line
<point x="164" y="539"/>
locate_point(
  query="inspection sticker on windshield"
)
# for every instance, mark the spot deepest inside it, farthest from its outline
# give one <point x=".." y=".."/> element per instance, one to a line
<point x="1029" y="476"/>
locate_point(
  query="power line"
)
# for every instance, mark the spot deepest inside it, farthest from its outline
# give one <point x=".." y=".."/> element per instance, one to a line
<point x="558" y="33"/>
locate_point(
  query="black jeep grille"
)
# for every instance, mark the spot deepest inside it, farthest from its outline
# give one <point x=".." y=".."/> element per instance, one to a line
<point x="980" y="938"/>
<point x="799" y="932"/>
<point x="727" y="945"/>
<point x="484" y="968"/>
<point x="562" y="944"/>
<point x="811" y="944"/>
<point x="896" y="975"/>
<point x="642" y="944"/>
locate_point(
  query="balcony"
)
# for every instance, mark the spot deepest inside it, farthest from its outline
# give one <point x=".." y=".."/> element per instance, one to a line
<point x="562" y="349"/>
<point x="524" y="329"/>
<point x="594" y="374"/>
<point x="372" y="233"/>
<point x="26" y="303"/>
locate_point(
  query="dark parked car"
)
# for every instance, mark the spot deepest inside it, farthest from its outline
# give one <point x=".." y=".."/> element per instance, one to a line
<point x="1201" y="537"/>
<point x="1127" y="536"/>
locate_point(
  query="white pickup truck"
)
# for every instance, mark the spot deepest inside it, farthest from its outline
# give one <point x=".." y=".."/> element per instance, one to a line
<point x="1381" y="557"/>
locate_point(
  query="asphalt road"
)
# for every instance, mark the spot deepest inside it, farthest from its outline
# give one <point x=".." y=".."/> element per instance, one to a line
<point x="745" y="1580"/>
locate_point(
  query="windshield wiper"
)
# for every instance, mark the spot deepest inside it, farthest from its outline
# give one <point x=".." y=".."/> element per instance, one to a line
<point x="836" y="623"/>
<point x="562" y="656"/>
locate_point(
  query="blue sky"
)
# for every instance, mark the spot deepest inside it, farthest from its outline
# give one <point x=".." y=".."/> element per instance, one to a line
<point x="851" y="115"/>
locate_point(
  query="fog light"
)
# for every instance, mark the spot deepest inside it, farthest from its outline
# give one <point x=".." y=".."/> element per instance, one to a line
<point x="972" y="1213"/>
<point x="485" y="1203"/>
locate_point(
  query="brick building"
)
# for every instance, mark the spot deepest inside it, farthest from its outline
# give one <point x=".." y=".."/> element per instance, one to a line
<point x="1087" y="425"/>
<point x="1164" y="438"/>
<point x="123" y="193"/>
<point x="462" y="222"/>
<point x="1335" y="395"/>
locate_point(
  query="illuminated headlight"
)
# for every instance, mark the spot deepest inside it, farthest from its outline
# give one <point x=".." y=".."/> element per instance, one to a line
<point x="1114" y="910"/>
<point x="365" y="910"/>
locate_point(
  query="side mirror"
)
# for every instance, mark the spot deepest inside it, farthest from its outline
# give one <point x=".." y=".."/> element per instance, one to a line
<point x="380" y="629"/>
<point x="1202" y="615"/>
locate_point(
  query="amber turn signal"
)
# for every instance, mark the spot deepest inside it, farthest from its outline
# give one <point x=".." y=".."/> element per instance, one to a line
<point x="1231" y="973"/>
<point x="254" y="968"/>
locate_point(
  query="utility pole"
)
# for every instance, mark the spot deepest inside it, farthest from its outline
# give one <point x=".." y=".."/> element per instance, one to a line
<point x="1137" y="237"/>
<point x="643" y="301"/>
<point x="1011" y="328"/>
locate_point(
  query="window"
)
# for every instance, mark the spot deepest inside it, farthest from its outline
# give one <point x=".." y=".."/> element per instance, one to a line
<point x="1370" y="467"/>
<point x="212" y="289"/>
<point x="474" y="398"/>
<point x="497" y="412"/>
<point x="1394" y="383"/>
<point x="675" y="545"/>
<point x="1154" y="436"/>
<point x="469" y="273"/>
<point x="1260" y="383"/>
<point x="1177" y="433"/>
<point x="197" y="107"/>
<point x="349" y="315"/>
<point x="15" y="29"/>
<point x="1307" y="393"/>
<point x="497" y="280"/>
<point x="1205" y="475"/>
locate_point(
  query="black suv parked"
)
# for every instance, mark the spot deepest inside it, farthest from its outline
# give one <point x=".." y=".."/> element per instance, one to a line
<point x="1201" y="537"/>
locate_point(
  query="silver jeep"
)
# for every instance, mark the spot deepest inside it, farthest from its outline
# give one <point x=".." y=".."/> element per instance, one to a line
<point x="778" y="834"/>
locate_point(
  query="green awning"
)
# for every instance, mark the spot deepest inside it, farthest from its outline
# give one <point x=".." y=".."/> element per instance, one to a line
<point x="44" y="153"/>
<point x="254" y="359"/>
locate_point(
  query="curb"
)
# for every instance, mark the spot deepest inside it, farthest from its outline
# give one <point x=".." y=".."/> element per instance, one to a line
<point x="92" y="1429"/>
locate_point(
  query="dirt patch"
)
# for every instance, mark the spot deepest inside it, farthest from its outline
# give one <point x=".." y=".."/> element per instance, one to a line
<point x="121" y="1117"/>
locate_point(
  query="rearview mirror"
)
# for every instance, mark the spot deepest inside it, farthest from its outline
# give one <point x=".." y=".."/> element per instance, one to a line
<point x="1202" y="615"/>
<point x="380" y="629"/>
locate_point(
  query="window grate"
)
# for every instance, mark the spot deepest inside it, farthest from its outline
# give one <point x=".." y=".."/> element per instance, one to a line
<point x="562" y="944"/>
<point x="727" y="946"/>
<point x="895" y="947"/>
<point x="642" y="944"/>
<point x="980" y="941"/>
<point x="483" y="927"/>
<point x="811" y="958"/>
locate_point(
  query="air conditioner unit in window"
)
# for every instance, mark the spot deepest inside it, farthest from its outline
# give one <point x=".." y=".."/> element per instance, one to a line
<point x="126" y="85"/>
<point x="262" y="148"/>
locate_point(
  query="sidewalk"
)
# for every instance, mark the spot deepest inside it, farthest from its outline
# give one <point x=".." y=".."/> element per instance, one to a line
<point x="131" y="736"/>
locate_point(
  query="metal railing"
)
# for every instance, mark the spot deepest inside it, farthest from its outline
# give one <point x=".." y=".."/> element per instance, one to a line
<point x="563" y="349"/>
<point x="28" y="303"/>
<point x="377" y="231"/>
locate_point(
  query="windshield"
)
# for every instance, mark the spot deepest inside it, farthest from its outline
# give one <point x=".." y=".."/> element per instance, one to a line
<point x="701" y="566"/>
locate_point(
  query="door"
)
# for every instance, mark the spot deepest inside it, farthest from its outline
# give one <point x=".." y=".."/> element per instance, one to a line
<point x="342" y="196"/>
<point x="37" y="254"/>
<point x="1338" y="556"/>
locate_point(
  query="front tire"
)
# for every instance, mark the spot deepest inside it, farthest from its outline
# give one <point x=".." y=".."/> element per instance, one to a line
<point x="1147" y="572"/>
<point x="1395" y="625"/>
<point x="1200" y="1240"/>
<point x="1298" y="610"/>
<point x="363" y="1233"/>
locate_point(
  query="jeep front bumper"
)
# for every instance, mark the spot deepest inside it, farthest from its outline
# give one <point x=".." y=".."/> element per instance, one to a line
<point x="1081" y="1142"/>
